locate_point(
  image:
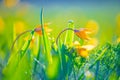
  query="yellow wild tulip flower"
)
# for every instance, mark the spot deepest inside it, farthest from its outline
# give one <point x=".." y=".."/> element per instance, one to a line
<point x="38" y="29"/>
<point x="83" y="33"/>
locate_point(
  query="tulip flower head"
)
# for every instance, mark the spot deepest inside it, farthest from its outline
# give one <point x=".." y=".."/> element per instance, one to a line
<point x="83" y="33"/>
<point x="38" y="29"/>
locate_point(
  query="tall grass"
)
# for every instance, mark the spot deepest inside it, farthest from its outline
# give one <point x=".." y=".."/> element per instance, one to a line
<point x="61" y="60"/>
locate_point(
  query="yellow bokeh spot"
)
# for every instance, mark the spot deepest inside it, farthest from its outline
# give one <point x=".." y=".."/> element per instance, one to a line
<point x="10" y="3"/>
<point x="1" y="24"/>
<point x="118" y="40"/>
<point x="118" y="25"/>
<point x="52" y="69"/>
<point x="19" y="27"/>
<point x="118" y="20"/>
<point x="92" y="25"/>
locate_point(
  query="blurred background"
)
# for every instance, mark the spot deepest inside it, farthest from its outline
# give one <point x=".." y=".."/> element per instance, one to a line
<point x="16" y="16"/>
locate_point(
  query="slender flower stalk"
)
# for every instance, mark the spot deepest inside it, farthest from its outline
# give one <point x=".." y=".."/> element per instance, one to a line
<point x="18" y="38"/>
<point x="62" y="32"/>
<point x="82" y="33"/>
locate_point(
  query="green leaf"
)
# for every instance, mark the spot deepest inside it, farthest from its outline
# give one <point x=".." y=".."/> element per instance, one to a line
<point x="46" y="41"/>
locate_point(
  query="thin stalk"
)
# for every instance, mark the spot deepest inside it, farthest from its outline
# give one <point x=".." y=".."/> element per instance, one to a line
<point x="61" y="33"/>
<point x="59" y="52"/>
<point x="18" y="38"/>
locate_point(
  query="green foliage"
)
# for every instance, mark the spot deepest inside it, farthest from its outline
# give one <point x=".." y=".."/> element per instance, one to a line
<point x="62" y="62"/>
<point x="19" y="64"/>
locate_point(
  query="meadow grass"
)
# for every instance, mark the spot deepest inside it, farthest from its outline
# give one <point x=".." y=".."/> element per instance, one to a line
<point x="62" y="60"/>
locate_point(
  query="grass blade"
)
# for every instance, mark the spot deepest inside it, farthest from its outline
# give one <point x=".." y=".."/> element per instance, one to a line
<point x="45" y="40"/>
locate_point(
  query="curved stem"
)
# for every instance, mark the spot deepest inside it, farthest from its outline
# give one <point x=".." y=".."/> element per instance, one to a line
<point x="62" y="32"/>
<point x="18" y="38"/>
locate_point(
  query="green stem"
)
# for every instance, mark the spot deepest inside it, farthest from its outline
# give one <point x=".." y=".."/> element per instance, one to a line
<point x="18" y="38"/>
<point x="62" y="32"/>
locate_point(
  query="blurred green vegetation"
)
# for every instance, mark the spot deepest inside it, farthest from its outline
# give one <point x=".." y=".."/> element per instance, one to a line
<point x="15" y="18"/>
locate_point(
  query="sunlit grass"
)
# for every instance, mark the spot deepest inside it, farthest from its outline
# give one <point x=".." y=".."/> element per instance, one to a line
<point x="75" y="52"/>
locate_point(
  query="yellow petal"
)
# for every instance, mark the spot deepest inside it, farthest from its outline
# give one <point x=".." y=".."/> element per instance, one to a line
<point x="82" y="52"/>
<point x="91" y="44"/>
<point x="93" y="41"/>
<point x="88" y="47"/>
<point x="39" y="31"/>
<point x="82" y="34"/>
<point x="76" y="44"/>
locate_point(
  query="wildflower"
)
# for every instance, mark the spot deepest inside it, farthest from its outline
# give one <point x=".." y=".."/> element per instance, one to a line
<point x="76" y="44"/>
<point x="88" y="47"/>
<point x="83" y="33"/>
<point x="38" y="30"/>
<point x="91" y="44"/>
<point x="83" y="52"/>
